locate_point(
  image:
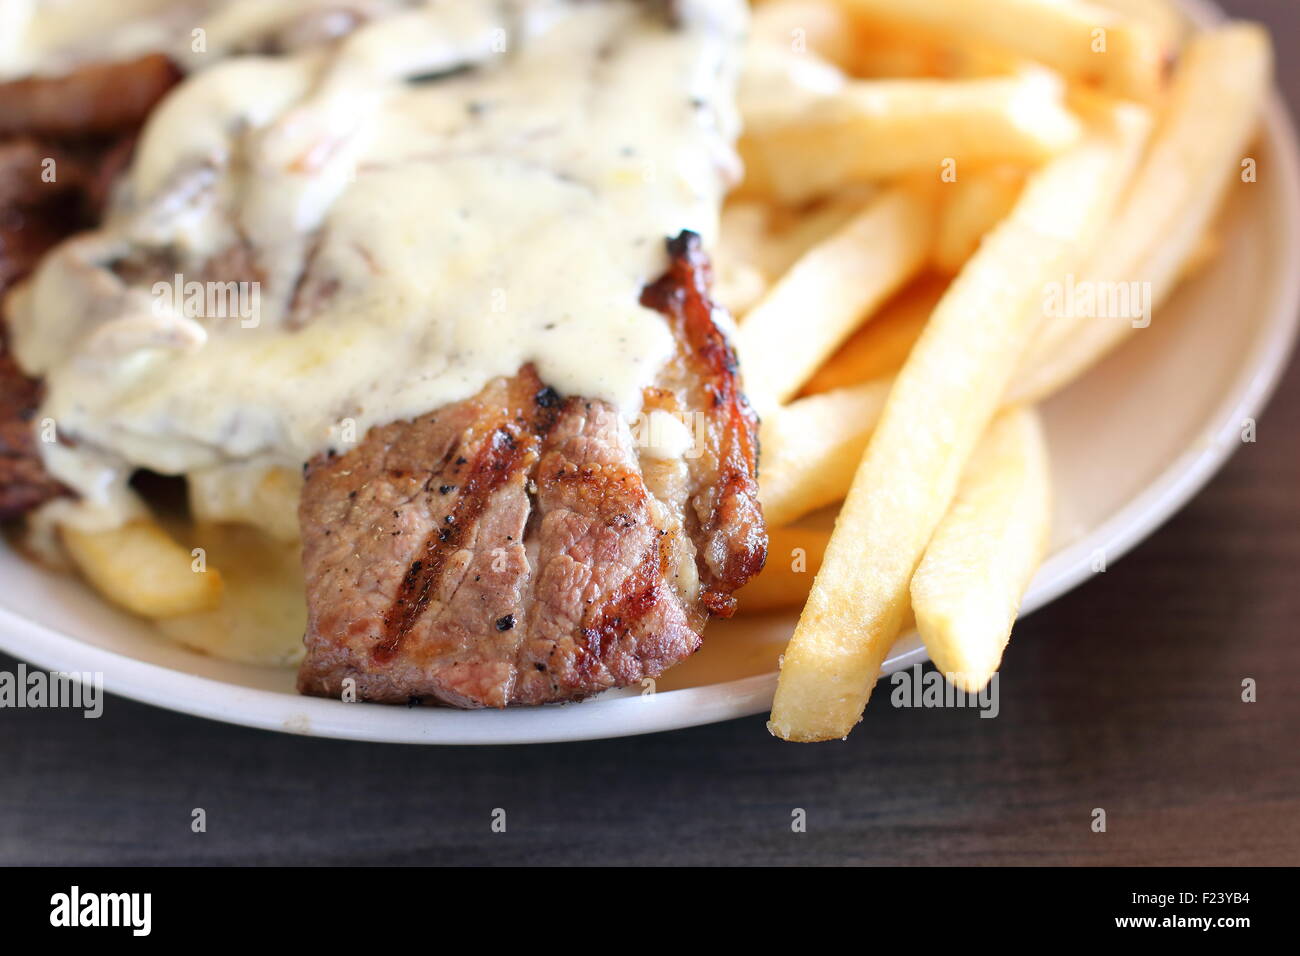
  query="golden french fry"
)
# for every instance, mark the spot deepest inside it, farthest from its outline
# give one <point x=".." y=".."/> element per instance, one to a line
<point x="1212" y="112"/>
<point x="940" y="404"/>
<point x="263" y="497"/>
<point x="738" y="279"/>
<point x="737" y="285"/>
<point x="970" y="206"/>
<point x="967" y="590"/>
<point x="812" y="447"/>
<point x="1084" y="42"/>
<point x="807" y="26"/>
<point x="140" y="567"/>
<point x="880" y="347"/>
<point x="759" y="242"/>
<point x="830" y="290"/>
<point x="1162" y="17"/>
<point x="805" y="146"/>
<point x="886" y="51"/>
<point x="1205" y="251"/>
<point x="793" y="557"/>
<point x="261" y="614"/>
<point x="793" y="232"/>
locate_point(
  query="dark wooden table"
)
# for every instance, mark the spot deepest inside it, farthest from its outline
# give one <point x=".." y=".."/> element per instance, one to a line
<point x="1123" y="695"/>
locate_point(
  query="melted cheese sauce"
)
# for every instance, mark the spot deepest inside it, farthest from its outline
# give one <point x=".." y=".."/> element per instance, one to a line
<point x="413" y="237"/>
<point x="50" y="37"/>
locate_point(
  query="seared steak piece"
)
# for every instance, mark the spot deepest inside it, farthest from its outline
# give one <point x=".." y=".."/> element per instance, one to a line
<point x="24" y="483"/>
<point x="96" y="99"/>
<point x="86" y="123"/>
<point x="516" y="547"/>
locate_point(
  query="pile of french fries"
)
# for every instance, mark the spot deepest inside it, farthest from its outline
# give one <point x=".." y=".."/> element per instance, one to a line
<point x="919" y="173"/>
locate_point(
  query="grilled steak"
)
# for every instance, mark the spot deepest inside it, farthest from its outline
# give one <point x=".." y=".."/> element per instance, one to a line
<point x="96" y="99"/>
<point x="24" y="483"/>
<point x="519" y="548"/>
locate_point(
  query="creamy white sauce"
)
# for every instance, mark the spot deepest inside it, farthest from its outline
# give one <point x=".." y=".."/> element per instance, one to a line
<point x="52" y="36"/>
<point x="462" y="227"/>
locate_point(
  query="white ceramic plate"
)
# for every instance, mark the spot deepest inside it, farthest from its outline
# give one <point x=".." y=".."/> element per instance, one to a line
<point x="1131" y="442"/>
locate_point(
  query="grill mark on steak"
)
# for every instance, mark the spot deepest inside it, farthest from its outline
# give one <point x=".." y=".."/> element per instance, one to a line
<point x="511" y="449"/>
<point x="633" y="601"/>
<point x="600" y="580"/>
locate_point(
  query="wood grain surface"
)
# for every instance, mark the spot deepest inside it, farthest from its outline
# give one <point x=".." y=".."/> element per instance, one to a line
<point x="1125" y="695"/>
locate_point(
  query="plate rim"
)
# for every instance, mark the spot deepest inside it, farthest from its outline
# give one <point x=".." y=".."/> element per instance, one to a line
<point x="1258" y="378"/>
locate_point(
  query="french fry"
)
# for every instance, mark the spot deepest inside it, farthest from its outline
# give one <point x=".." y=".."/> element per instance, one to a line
<point x="805" y="146"/>
<point x="879" y="348"/>
<point x="1213" y="109"/>
<point x="1165" y="21"/>
<point x="141" y="568"/>
<point x="812" y="447"/>
<point x="1205" y="251"/>
<point x="261" y="614"/>
<point x="807" y="26"/>
<point x="737" y="285"/>
<point x="941" y="402"/>
<point x="892" y="51"/>
<point x="1084" y="42"/>
<point x="759" y="242"/>
<point x="258" y="496"/>
<point x="888" y="51"/>
<point x="830" y="290"/>
<point x="967" y="590"/>
<point x="793" y="232"/>
<point x="777" y="81"/>
<point x="970" y="207"/>
<point x="793" y="557"/>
